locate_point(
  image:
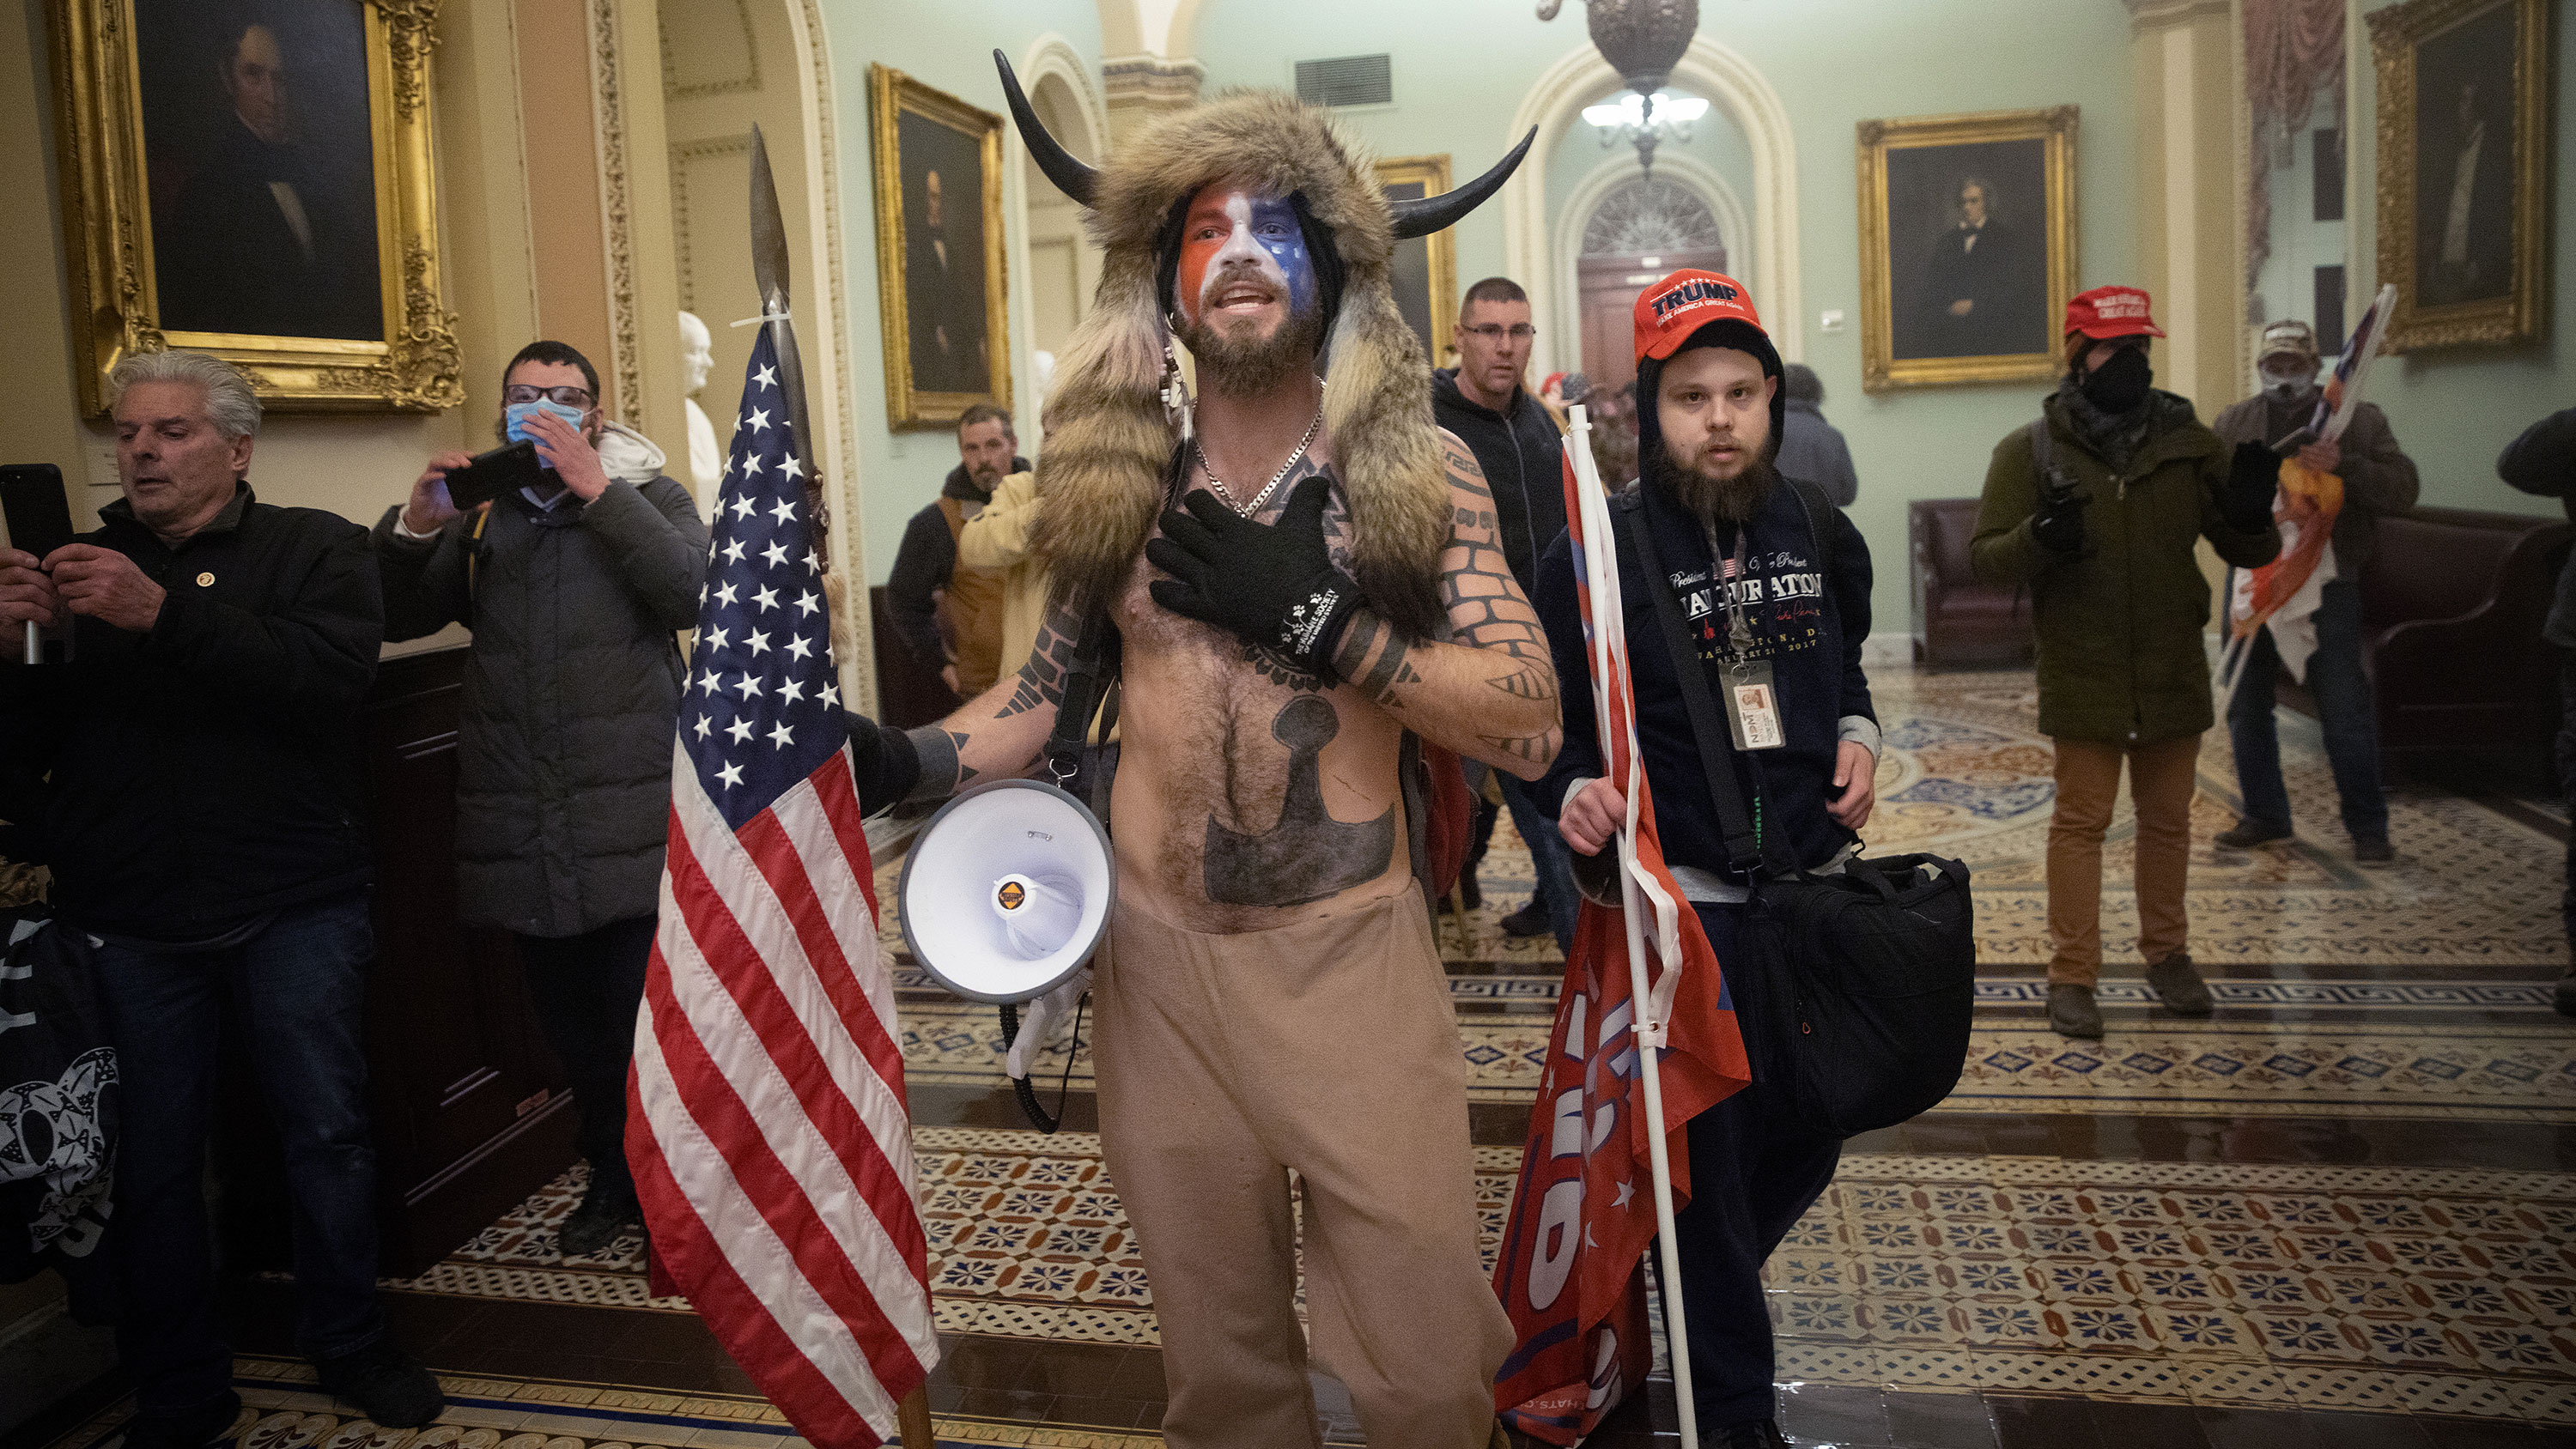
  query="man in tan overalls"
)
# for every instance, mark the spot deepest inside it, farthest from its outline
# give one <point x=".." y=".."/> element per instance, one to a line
<point x="1306" y="575"/>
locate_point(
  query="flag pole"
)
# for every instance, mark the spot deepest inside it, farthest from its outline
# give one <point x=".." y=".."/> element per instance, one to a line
<point x="912" y="1418"/>
<point x="1601" y="549"/>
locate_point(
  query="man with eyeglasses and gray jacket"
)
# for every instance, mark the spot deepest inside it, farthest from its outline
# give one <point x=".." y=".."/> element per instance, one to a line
<point x="575" y="587"/>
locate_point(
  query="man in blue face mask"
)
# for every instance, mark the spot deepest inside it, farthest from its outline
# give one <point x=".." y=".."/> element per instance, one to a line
<point x="574" y="586"/>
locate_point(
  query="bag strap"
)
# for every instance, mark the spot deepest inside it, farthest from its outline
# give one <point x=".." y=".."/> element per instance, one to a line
<point x="1091" y="673"/>
<point x="474" y="549"/>
<point x="1742" y="835"/>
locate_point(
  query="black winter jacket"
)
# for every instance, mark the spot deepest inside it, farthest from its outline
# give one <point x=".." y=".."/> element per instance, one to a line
<point x="208" y="772"/>
<point x="1523" y="456"/>
<point x="1810" y="630"/>
<point x="572" y="690"/>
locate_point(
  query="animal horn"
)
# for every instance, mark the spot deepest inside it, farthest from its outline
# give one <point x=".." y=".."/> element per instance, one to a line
<point x="1070" y="176"/>
<point x="1438" y="213"/>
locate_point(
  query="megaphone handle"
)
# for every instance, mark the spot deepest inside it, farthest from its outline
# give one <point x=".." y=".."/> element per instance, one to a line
<point x="1037" y="1114"/>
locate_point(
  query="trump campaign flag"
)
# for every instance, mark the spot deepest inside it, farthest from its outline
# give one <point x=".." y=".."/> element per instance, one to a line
<point x="1570" y="1270"/>
<point x="767" y="1125"/>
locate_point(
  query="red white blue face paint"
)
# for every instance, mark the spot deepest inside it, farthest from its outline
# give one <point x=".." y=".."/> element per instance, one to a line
<point x="1241" y="250"/>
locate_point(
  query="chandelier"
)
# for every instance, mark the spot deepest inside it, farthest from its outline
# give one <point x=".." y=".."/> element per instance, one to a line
<point x="1642" y="40"/>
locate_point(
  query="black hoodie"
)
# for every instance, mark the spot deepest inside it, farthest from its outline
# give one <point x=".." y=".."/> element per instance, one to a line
<point x="1523" y="456"/>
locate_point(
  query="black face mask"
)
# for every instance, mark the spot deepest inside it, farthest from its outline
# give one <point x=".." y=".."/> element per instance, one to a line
<point x="2119" y="384"/>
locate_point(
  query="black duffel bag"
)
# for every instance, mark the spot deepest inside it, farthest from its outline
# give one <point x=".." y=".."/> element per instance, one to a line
<point x="1869" y="985"/>
<point x="1860" y="984"/>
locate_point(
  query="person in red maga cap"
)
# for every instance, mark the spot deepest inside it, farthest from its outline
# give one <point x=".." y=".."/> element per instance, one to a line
<point x="1775" y="582"/>
<point x="2096" y="507"/>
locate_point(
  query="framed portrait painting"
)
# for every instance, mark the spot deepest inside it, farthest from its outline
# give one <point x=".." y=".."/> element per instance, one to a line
<point x="255" y="181"/>
<point x="1425" y="268"/>
<point x="1967" y="246"/>
<point x="939" y="251"/>
<point x="2463" y="168"/>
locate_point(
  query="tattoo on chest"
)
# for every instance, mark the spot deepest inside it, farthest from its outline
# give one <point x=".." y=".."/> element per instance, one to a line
<point x="1308" y="855"/>
<point x="1267" y="663"/>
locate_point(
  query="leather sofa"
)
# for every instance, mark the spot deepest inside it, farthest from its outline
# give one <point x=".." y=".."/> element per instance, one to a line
<point x="2452" y="602"/>
<point x="1958" y="621"/>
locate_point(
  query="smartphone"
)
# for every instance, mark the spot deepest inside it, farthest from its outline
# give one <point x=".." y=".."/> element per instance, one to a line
<point x="31" y="498"/>
<point x="492" y="474"/>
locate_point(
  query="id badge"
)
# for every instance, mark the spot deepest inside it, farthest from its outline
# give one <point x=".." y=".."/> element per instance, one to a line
<point x="1753" y="708"/>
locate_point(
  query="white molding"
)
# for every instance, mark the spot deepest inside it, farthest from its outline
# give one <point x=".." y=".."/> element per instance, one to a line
<point x="1734" y="228"/>
<point x="1554" y="104"/>
<point x="1048" y="55"/>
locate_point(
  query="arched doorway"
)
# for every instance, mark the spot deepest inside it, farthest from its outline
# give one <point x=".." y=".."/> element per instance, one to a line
<point x="1641" y="230"/>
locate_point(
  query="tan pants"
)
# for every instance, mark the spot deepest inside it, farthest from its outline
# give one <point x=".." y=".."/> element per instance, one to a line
<point x="1329" y="1048"/>
<point x="2088" y="781"/>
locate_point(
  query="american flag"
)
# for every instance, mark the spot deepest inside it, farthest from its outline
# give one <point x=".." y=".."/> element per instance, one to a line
<point x="768" y="1130"/>
<point x="1583" y="1214"/>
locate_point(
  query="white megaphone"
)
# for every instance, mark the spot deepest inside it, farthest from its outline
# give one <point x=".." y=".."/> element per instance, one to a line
<point x="1007" y="891"/>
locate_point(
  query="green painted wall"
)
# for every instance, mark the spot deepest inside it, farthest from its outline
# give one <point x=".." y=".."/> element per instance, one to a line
<point x="1460" y="70"/>
<point x="949" y="46"/>
<point x="2455" y="408"/>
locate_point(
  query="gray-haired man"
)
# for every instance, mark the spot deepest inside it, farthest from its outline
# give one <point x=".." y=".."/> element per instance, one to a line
<point x="194" y="778"/>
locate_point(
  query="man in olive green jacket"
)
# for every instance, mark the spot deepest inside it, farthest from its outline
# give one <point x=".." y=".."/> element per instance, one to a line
<point x="2096" y="509"/>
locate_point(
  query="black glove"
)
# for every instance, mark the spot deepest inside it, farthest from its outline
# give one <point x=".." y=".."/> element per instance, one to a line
<point x="2253" y="478"/>
<point x="2059" y="525"/>
<point x="1272" y="585"/>
<point x="884" y="765"/>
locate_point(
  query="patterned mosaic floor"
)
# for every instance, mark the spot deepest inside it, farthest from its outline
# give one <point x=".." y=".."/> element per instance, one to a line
<point x="2447" y="1292"/>
<point x="283" y="1408"/>
<point x="2497" y="1073"/>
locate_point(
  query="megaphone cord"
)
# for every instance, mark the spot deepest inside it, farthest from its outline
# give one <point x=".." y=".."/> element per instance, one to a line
<point x="1036" y="1112"/>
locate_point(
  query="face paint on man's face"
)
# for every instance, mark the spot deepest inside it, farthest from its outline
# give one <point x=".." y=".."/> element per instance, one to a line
<point x="1233" y="239"/>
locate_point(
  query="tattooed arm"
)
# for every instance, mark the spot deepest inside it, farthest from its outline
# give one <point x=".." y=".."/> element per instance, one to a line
<point x="999" y="734"/>
<point x="1490" y="694"/>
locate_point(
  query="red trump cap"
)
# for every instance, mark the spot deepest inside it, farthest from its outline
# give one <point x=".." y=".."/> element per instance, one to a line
<point x="1671" y="310"/>
<point x="2108" y="312"/>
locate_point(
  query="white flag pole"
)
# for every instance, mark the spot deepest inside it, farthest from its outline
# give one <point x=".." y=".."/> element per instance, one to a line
<point x="1601" y="571"/>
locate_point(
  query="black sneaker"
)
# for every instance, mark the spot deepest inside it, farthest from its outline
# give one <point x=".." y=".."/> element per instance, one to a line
<point x="2373" y="850"/>
<point x="387" y="1386"/>
<point x="1529" y="920"/>
<point x="192" y="1429"/>
<point x="2249" y="832"/>
<point x="594" y="1227"/>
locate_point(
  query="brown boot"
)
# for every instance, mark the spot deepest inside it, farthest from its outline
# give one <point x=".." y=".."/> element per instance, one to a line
<point x="2178" y="985"/>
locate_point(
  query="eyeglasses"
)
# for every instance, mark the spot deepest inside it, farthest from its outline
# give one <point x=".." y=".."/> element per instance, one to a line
<point x="571" y="397"/>
<point x="1496" y="331"/>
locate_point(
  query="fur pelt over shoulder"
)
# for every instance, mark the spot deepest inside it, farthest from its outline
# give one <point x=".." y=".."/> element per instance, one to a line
<point x="1101" y="476"/>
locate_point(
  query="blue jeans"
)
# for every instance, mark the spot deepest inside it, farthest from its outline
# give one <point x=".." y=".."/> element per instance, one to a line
<point x="2343" y="709"/>
<point x="1754" y="1172"/>
<point x="298" y="990"/>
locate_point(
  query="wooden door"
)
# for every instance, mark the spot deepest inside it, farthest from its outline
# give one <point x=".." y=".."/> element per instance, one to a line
<point x="1608" y="287"/>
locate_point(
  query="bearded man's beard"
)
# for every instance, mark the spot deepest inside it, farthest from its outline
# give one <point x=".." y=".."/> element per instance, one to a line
<point x="1733" y="499"/>
<point x="1246" y="365"/>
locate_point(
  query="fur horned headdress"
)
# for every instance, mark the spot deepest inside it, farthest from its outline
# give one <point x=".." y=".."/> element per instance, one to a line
<point x="1108" y="440"/>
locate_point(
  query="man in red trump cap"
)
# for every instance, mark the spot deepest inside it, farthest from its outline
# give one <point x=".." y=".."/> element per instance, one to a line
<point x="1774" y="585"/>
<point x="2096" y="508"/>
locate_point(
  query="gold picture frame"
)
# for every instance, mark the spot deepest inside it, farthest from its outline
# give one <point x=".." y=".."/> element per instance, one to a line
<point x="1425" y="268"/>
<point x="2018" y="267"/>
<point x="130" y="151"/>
<point x="943" y="351"/>
<point x="2476" y="272"/>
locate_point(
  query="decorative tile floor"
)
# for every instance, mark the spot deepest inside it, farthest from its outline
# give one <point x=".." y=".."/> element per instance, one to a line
<point x="2500" y="1073"/>
<point x="2433" y="1291"/>
<point x="283" y="1408"/>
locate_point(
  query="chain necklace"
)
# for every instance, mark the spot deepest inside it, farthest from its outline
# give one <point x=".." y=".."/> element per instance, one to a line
<point x="1254" y="507"/>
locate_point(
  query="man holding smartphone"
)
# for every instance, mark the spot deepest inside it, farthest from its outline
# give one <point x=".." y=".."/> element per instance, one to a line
<point x="574" y="586"/>
<point x="193" y="779"/>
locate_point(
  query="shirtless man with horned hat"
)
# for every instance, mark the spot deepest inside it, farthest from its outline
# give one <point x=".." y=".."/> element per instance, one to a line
<point x="1296" y="583"/>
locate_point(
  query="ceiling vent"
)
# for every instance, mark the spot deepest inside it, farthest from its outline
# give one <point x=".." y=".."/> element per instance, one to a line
<point x="1348" y="80"/>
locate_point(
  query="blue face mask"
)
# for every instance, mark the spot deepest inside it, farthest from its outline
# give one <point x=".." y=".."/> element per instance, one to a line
<point x="515" y="416"/>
